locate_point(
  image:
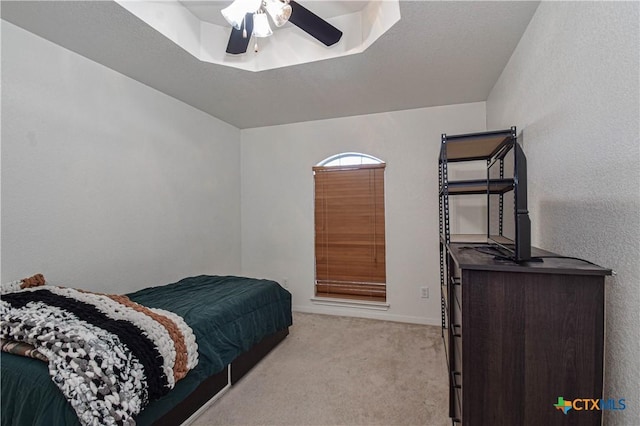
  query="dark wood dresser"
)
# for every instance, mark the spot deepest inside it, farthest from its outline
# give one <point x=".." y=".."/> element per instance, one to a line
<point x="520" y="336"/>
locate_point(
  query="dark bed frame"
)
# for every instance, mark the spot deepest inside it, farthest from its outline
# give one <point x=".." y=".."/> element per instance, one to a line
<point x="216" y="383"/>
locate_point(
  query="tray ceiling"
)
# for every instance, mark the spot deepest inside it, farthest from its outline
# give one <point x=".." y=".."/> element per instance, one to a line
<point x="439" y="53"/>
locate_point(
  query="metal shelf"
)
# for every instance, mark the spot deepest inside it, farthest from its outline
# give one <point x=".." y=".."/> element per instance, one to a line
<point x="475" y="146"/>
<point x="479" y="186"/>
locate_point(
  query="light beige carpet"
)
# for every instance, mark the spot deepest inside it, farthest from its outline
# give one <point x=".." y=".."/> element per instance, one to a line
<point x="334" y="370"/>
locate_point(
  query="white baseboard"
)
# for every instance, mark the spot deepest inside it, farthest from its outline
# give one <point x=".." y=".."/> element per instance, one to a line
<point x="362" y="313"/>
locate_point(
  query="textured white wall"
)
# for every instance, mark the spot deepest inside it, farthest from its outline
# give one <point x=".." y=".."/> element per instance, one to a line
<point x="277" y="200"/>
<point x="571" y="86"/>
<point x="108" y="184"/>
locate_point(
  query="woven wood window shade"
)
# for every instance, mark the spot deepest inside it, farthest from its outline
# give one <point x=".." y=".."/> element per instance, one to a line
<point x="349" y="231"/>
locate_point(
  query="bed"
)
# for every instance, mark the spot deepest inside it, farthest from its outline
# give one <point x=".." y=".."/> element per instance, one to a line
<point x="236" y="321"/>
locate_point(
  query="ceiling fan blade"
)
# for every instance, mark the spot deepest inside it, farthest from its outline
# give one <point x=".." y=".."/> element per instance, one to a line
<point x="313" y="25"/>
<point x="237" y="43"/>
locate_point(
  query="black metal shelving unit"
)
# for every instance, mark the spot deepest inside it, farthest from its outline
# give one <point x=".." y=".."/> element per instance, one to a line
<point x="484" y="146"/>
<point x="490" y="147"/>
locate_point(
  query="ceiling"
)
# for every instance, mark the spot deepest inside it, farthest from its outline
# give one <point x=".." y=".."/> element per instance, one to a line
<point x="440" y="53"/>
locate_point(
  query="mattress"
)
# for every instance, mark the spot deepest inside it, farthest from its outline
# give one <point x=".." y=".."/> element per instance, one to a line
<point x="228" y="316"/>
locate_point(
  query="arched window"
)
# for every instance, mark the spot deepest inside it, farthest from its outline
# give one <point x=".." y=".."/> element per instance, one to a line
<point x="350" y="159"/>
<point x="350" y="227"/>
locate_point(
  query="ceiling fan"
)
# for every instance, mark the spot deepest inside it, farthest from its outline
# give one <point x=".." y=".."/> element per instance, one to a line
<point x="249" y="17"/>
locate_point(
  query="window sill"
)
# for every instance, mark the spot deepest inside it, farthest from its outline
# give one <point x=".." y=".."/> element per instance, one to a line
<point x="350" y="303"/>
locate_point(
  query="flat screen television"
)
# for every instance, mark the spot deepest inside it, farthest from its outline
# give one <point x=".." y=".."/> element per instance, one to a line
<point x="509" y="227"/>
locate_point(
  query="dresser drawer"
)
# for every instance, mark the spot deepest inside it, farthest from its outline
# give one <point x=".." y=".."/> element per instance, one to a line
<point x="457" y="403"/>
<point x="456" y="312"/>
<point x="457" y="293"/>
<point x="456" y="363"/>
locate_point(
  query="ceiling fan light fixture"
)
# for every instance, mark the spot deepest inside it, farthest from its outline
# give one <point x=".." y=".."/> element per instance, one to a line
<point x="280" y="11"/>
<point x="256" y="22"/>
<point x="261" y="27"/>
<point x="235" y="12"/>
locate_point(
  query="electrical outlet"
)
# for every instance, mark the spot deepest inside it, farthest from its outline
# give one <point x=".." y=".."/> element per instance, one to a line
<point x="424" y="292"/>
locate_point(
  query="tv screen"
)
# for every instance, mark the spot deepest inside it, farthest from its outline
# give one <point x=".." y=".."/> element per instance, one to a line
<point x="508" y="227"/>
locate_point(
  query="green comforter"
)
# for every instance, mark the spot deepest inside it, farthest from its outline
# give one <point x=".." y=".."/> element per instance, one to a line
<point x="228" y="315"/>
